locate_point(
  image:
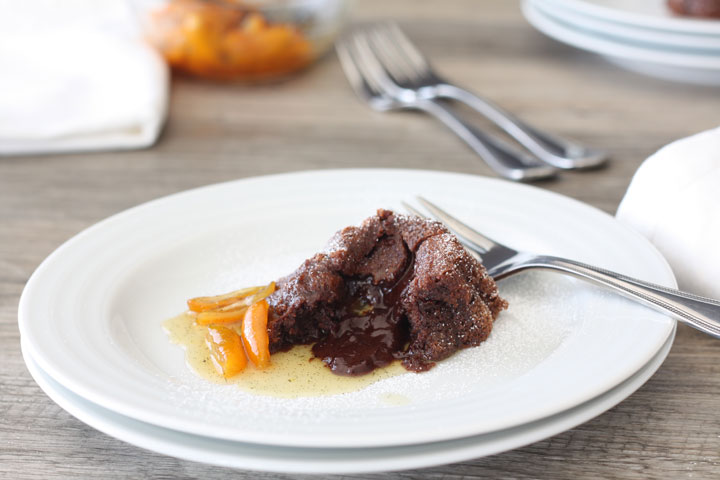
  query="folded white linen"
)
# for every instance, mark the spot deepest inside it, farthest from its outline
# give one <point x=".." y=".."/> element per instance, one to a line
<point x="674" y="201"/>
<point x="80" y="85"/>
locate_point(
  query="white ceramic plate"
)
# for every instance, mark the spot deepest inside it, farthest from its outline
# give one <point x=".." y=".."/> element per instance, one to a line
<point x="679" y="66"/>
<point x="631" y="34"/>
<point x="643" y="13"/>
<point x="91" y="314"/>
<point x="338" y="461"/>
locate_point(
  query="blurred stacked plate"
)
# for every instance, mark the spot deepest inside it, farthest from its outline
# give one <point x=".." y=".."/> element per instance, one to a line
<point x="643" y="36"/>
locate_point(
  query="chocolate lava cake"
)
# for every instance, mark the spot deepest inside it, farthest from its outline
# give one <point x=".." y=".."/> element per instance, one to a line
<point x="395" y="287"/>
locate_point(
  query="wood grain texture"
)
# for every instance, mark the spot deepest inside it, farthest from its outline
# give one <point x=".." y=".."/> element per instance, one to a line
<point x="669" y="429"/>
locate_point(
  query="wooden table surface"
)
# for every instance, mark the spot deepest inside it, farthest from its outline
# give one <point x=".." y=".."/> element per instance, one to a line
<point x="670" y="428"/>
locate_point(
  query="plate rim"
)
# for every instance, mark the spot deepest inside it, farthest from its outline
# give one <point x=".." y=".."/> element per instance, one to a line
<point x="469" y="448"/>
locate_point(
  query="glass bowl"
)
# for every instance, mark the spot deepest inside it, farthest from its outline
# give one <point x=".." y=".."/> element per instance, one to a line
<point x="241" y="39"/>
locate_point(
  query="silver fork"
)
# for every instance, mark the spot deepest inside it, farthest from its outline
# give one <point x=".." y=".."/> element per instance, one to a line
<point x="371" y="83"/>
<point x="412" y="71"/>
<point x="501" y="261"/>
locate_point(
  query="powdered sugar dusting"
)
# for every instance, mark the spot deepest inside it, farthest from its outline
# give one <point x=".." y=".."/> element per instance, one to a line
<point x="523" y="336"/>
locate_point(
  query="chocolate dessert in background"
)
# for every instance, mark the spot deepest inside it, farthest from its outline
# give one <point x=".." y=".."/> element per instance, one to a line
<point x="696" y="8"/>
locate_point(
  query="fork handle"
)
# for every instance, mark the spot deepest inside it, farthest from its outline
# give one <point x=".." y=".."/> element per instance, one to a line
<point x="698" y="312"/>
<point x="501" y="157"/>
<point x="550" y="149"/>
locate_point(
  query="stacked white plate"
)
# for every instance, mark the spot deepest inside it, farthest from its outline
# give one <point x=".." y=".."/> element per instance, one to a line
<point x="91" y="323"/>
<point x="641" y="35"/>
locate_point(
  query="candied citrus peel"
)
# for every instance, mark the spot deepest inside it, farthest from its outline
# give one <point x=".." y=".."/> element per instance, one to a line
<point x="202" y="304"/>
<point x="256" y="296"/>
<point x="226" y="351"/>
<point x="255" y="334"/>
<point x="220" y="318"/>
<point x="229" y="351"/>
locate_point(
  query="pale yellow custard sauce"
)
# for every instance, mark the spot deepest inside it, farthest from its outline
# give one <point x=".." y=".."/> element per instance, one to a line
<point x="295" y="373"/>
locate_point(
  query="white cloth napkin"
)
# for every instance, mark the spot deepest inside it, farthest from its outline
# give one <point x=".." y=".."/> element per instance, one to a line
<point x="75" y="75"/>
<point x="674" y="201"/>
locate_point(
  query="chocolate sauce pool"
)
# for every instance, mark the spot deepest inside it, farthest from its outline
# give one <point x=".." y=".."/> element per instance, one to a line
<point x="371" y="331"/>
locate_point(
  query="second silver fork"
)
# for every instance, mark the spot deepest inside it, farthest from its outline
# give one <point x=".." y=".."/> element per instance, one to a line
<point x="372" y="83"/>
<point x="411" y="70"/>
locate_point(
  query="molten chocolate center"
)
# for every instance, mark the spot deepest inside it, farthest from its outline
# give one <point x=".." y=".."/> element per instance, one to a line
<point x="371" y="331"/>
